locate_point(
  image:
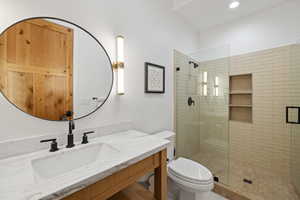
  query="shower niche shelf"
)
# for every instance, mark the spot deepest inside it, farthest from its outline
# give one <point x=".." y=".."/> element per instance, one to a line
<point x="240" y="107"/>
<point x="241" y="92"/>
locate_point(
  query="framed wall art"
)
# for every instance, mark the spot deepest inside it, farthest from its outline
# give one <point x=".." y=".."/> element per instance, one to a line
<point x="154" y="78"/>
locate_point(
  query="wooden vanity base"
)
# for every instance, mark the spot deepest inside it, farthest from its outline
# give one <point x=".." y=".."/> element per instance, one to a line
<point x="133" y="192"/>
<point x="106" y="188"/>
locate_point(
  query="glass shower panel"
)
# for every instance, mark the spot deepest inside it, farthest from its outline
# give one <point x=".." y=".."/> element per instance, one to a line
<point x="202" y="127"/>
<point x="187" y="115"/>
<point x="214" y="113"/>
<point x="294" y="129"/>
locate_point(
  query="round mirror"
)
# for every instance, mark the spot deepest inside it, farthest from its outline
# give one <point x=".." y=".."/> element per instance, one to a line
<point x="50" y="66"/>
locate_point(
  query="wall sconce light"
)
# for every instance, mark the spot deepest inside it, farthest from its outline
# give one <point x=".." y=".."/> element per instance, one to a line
<point x="119" y="65"/>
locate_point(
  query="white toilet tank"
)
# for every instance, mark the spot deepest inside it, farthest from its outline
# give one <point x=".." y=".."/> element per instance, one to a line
<point x="168" y="135"/>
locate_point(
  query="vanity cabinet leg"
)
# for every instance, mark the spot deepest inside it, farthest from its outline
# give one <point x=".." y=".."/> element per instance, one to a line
<point x="160" y="187"/>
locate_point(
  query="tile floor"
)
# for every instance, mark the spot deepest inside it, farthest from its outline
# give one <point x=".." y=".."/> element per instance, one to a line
<point x="266" y="185"/>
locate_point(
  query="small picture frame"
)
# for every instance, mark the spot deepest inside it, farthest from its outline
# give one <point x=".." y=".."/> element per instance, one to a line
<point x="154" y="78"/>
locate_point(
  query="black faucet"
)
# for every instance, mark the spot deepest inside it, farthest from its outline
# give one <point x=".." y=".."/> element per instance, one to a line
<point x="70" y="144"/>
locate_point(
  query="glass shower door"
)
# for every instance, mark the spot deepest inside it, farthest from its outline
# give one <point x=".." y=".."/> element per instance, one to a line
<point x="293" y="115"/>
<point x="187" y="107"/>
<point x="202" y="130"/>
<point x="214" y="111"/>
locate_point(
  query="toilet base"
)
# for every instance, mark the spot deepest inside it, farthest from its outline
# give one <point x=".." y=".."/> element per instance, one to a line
<point x="179" y="193"/>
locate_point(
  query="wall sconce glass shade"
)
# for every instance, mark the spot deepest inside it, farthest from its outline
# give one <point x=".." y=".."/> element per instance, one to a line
<point x="120" y="65"/>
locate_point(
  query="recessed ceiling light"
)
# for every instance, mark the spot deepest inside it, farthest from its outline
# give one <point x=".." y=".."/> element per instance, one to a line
<point x="234" y="4"/>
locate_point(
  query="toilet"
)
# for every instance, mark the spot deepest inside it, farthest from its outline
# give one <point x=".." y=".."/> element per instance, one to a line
<point x="187" y="179"/>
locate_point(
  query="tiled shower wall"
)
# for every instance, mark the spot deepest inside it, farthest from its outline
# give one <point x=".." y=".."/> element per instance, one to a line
<point x="260" y="151"/>
<point x="267" y="150"/>
<point x="264" y="144"/>
<point x="295" y="101"/>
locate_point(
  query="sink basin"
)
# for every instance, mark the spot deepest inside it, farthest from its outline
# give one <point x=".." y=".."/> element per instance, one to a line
<point x="64" y="162"/>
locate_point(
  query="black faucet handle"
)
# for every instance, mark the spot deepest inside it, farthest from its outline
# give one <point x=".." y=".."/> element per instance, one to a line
<point x="48" y="140"/>
<point x="54" y="145"/>
<point x="85" y="137"/>
<point x="89" y="132"/>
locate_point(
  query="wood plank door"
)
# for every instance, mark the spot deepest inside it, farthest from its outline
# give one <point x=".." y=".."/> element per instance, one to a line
<point x="36" y="68"/>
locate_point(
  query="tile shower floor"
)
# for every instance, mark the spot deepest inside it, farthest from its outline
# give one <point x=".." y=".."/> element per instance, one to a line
<point x="266" y="186"/>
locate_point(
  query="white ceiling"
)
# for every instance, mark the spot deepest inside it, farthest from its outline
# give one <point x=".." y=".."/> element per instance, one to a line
<point x="204" y="14"/>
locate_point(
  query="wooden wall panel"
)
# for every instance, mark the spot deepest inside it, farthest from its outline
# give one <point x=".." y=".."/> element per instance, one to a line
<point x="50" y="96"/>
<point x="48" y="48"/>
<point x="18" y="44"/>
<point x="3" y="69"/>
<point x="20" y="90"/>
<point x="3" y="78"/>
<point x="40" y="52"/>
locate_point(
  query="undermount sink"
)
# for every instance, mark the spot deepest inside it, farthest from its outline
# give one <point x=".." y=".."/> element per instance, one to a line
<point x="64" y="162"/>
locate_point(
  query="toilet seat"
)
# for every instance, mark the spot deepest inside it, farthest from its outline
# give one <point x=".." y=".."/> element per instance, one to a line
<point x="190" y="171"/>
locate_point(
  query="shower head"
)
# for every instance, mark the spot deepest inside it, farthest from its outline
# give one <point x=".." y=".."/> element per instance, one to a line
<point x="195" y="64"/>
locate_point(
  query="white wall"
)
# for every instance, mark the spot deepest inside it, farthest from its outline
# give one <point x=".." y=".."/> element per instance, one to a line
<point x="268" y="29"/>
<point x="151" y="30"/>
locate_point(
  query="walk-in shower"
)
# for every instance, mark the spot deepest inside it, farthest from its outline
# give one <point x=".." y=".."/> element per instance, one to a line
<point x="202" y="110"/>
<point x="242" y="135"/>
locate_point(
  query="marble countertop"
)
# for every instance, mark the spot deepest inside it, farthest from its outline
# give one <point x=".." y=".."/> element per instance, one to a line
<point x="18" y="180"/>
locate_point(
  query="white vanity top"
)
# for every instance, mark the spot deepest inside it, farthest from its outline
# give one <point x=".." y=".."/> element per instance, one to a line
<point x="26" y="177"/>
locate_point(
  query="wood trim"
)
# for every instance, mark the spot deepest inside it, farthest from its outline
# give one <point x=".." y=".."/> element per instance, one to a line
<point x="36" y="69"/>
<point x="160" y="186"/>
<point x="3" y="82"/>
<point x="134" y="192"/>
<point x="115" y="183"/>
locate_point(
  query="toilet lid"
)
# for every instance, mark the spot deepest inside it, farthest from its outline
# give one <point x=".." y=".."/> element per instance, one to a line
<point x="190" y="171"/>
